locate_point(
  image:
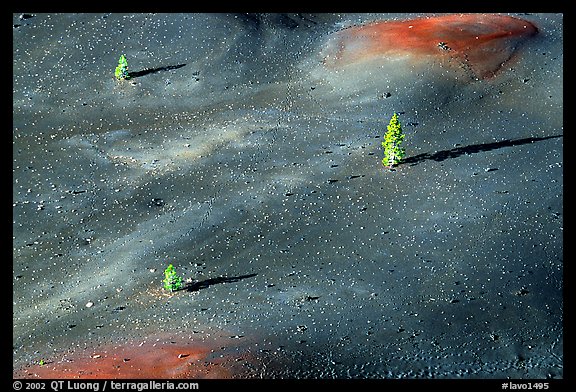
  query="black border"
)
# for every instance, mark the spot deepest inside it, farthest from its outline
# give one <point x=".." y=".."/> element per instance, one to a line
<point x="24" y="6"/>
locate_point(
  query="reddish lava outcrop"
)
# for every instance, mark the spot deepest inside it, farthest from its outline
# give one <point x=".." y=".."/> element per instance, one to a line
<point x="481" y="42"/>
<point x="149" y="359"/>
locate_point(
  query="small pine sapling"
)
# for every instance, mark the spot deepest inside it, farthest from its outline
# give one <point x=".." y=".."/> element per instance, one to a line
<point x="122" y="69"/>
<point x="172" y="282"/>
<point x="393" y="153"/>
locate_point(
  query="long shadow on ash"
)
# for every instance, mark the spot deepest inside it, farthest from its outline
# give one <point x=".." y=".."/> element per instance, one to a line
<point x="137" y="74"/>
<point x="440" y="156"/>
<point x="212" y="281"/>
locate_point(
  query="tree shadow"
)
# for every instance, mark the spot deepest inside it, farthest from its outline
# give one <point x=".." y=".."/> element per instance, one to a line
<point x="196" y="286"/>
<point x="137" y="74"/>
<point x="440" y="156"/>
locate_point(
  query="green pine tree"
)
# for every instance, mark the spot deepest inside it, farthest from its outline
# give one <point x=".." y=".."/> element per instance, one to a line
<point x="121" y="72"/>
<point x="172" y="282"/>
<point x="393" y="153"/>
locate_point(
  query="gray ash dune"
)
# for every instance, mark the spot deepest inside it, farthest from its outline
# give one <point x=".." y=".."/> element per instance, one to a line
<point x="235" y="155"/>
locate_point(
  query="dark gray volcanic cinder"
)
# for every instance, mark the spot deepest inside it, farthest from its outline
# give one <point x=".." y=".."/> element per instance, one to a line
<point x="236" y="155"/>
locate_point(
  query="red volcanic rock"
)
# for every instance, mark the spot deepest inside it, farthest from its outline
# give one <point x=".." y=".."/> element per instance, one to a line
<point x="481" y="42"/>
<point x="164" y="359"/>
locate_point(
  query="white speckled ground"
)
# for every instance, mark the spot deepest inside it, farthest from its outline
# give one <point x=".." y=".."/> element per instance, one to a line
<point x="255" y="164"/>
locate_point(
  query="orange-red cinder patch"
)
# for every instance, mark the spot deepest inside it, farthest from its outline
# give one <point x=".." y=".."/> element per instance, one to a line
<point x="151" y="360"/>
<point x="483" y="42"/>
